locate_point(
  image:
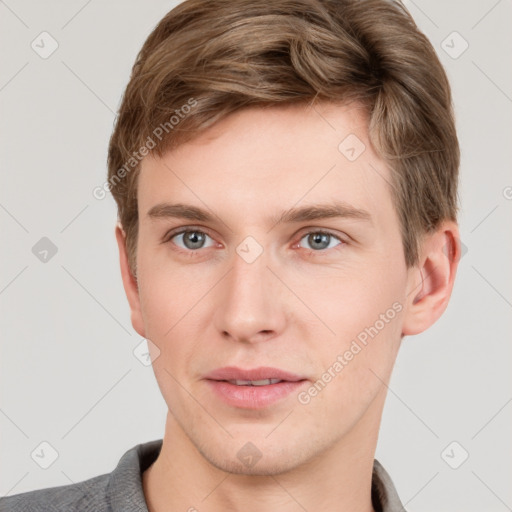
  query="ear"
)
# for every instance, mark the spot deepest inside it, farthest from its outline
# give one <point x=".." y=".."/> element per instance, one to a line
<point x="130" y="283"/>
<point x="430" y="283"/>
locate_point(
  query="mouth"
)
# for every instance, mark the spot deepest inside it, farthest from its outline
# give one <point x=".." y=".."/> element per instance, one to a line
<point x="253" y="389"/>
<point x="261" y="376"/>
<point x="262" y="382"/>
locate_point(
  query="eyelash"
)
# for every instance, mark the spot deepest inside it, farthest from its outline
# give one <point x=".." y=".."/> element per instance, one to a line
<point x="191" y="252"/>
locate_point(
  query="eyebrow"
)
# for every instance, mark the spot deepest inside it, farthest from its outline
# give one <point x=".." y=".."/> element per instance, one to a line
<point x="336" y="209"/>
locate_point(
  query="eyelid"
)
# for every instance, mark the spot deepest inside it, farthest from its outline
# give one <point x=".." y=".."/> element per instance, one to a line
<point x="313" y="230"/>
<point x="183" y="229"/>
<point x="302" y="233"/>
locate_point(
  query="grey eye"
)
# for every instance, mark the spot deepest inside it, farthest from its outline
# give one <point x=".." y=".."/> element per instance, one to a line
<point x="319" y="240"/>
<point x="191" y="239"/>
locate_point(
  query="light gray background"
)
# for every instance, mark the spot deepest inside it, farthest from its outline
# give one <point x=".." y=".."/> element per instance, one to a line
<point x="68" y="373"/>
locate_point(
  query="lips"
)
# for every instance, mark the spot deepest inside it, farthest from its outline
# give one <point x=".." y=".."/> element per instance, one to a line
<point x="255" y="388"/>
<point x="261" y="376"/>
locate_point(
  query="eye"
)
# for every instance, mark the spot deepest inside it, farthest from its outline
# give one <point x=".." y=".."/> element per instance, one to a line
<point x="320" y="240"/>
<point x="192" y="239"/>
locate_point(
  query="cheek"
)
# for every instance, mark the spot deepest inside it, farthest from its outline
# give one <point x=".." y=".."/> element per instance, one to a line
<point x="172" y="328"/>
<point x="364" y="314"/>
<point x="173" y="313"/>
<point x="168" y="293"/>
<point x="355" y="368"/>
<point x="351" y="300"/>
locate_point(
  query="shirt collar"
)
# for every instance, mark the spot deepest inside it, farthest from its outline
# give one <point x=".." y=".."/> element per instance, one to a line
<point x="125" y="485"/>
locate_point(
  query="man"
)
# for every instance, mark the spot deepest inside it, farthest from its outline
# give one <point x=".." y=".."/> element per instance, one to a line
<point x="286" y="180"/>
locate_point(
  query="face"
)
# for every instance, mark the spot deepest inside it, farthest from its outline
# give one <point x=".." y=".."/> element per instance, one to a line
<point x="263" y="279"/>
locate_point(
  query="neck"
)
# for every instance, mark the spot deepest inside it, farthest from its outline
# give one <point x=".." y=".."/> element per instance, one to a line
<point x="338" y="479"/>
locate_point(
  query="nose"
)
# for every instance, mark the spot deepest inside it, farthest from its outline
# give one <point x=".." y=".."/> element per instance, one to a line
<point x="251" y="301"/>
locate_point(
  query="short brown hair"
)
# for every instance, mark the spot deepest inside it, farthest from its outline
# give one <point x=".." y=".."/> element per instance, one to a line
<point x="208" y="58"/>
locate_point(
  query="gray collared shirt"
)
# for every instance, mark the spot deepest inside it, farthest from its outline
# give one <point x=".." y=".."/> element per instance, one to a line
<point x="121" y="490"/>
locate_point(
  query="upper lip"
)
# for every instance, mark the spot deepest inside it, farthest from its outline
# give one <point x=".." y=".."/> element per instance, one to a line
<point x="260" y="373"/>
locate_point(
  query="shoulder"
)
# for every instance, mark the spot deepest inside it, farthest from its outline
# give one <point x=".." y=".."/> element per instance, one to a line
<point x="118" y="491"/>
<point x="87" y="495"/>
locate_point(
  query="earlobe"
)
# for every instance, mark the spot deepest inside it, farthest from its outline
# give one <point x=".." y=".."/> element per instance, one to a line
<point x="129" y="283"/>
<point x="431" y="282"/>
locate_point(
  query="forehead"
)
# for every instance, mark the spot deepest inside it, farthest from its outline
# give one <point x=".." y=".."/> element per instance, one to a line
<point x="261" y="159"/>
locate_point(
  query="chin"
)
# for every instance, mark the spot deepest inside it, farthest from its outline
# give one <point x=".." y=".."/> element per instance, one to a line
<point x="274" y="467"/>
<point x="260" y="457"/>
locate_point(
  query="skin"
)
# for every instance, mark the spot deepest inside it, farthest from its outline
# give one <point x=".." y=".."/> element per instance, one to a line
<point x="296" y="307"/>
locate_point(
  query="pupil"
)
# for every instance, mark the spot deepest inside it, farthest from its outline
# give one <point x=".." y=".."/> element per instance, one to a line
<point x="194" y="239"/>
<point x="318" y="238"/>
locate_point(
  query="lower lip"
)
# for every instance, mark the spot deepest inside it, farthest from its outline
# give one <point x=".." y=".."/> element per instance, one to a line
<point x="253" y="397"/>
